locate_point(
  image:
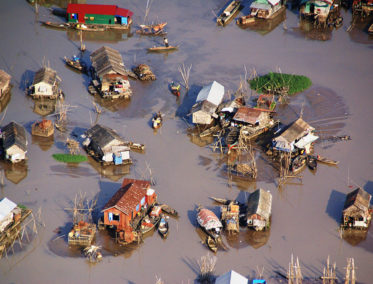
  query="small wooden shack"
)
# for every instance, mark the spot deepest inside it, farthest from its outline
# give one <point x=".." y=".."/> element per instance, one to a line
<point x="357" y="213"/>
<point x="246" y="116"/>
<point x="106" y="146"/>
<point x="259" y="209"/>
<point x="45" y="84"/>
<point x="297" y="135"/>
<point x="14" y="142"/>
<point x="82" y="234"/>
<point x="127" y="206"/>
<point x="4" y="82"/>
<point x="44" y="128"/>
<point x="207" y="102"/>
<point x="230" y="217"/>
<point x="110" y="72"/>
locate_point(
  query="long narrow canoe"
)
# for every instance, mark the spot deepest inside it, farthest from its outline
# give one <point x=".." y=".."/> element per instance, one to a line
<point x="163" y="48"/>
<point x="324" y="160"/>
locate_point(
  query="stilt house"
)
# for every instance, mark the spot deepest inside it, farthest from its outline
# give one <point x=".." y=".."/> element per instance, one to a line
<point x="110" y="71"/>
<point x="297" y="135"/>
<point x="105" y="145"/>
<point x="265" y="8"/>
<point x="110" y="15"/>
<point x="207" y="102"/>
<point x="356" y="211"/>
<point x="45" y="84"/>
<point x="14" y="142"/>
<point x="259" y="209"/>
<point x="4" y="82"/>
<point x="127" y="205"/>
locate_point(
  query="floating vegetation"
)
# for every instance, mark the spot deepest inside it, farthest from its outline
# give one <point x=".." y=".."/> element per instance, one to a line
<point x="279" y="82"/>
<point x="69" y="158"/>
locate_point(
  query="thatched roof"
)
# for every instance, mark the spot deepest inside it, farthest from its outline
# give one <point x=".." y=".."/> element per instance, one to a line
<point x="260" y="202"/>
<point x="358" y="198"/>
<point x="46" y="75"/>
<point x="101" y="136"/>
<point x="106" y="60"/>
<point x="295" y="130"/>
<point x="128" y="196"/>
<point x="14" y="134"/>
<point x="4" y="79"/>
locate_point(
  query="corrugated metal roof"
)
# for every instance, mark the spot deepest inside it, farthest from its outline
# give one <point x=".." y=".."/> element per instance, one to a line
<point x="208" y="220"/>
<point x="105" y="60"/>
<point x="128" y="196"/>
<point x="14" y="134"/>
<point x="213" y="93"/>
<point x="260" y="202"/>
<point x="295" y="131"/>
<point x="6" y="206"/>
<point x="98" y="9"/>
<point x="359" y="198"/>
<point x="247" y="114"/>
<point x="46" y="75"/>
<point x="101" y="135"/>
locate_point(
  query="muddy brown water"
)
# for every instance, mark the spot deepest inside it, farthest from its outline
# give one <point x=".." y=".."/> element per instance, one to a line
<point x="305" y="215"/>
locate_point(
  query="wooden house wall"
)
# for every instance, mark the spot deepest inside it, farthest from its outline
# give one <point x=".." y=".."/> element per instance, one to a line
<point x="15" y="153"/>
<point x="123" y="222"/>
<point x="108" y="147"/>
<point x="43" y="89"/>
<point x="201" y="117"/>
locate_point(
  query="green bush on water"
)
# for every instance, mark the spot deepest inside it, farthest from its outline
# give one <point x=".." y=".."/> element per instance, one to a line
<point x="68" y="158"/>
<point x="271" y="81"/>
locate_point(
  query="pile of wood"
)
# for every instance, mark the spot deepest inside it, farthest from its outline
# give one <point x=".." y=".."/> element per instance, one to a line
<point x="44" y="128"/>
<point x="144" y="73"/>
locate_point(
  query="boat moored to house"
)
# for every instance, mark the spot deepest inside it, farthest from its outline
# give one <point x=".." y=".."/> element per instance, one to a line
<point x="13" y="142"/>
<point x="357" y="212"/>
<point x="110" y="16"/>
<point x="259" y="206"/>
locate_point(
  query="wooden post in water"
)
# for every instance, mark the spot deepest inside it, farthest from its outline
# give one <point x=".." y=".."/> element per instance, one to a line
<point x="82" y="46"/>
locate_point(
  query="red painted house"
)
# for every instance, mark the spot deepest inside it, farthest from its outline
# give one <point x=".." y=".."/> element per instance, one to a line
<point x="98" y="14"/>
<point x="132" y="198"/>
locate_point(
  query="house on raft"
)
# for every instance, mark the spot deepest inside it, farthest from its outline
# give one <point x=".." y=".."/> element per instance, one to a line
<point x="106" y="146"/>
<point x="231" y="277"/>
<point x="207" y="102"/>
<point x="259" y="206"/>
<point x="125" y="209"/>
<point x="265" y="9"/>
<point x="90" y="14"/>
<point x="110" y="78"/>
<point x="297" y="136"/>
<point x="45" y="84"/>
<point x="318" y="9"/>
<point x="4" y="82"/>
<point x="44" y="128"/>
<point x="13" y="142"/>
<point x="357" y="212"/>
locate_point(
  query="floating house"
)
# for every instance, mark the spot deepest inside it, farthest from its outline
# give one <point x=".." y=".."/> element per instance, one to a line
<point x="129" y="204"/>
<point x="207" y="102"/>
<point x="106" y="146"/>
<point x="231" y="277"/>
<point x="297" y="135"/>
<point x="265" y="9"/>
<point x="44" y="128"/>
<point x="45" y="84"/>
<point x="259" y="206"/>
<point x="4" y="82"/>
<point x="357" y="213"/>
<point x="108" y="15"/>
<point x="111" y="78"/>
<point x="316" y="9"/>
<point x="14" y="142"/>
<point x="246" y="116"/>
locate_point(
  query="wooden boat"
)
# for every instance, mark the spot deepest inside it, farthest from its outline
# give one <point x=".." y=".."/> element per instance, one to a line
<point x="221" y="200"/>
<point x="311" y="163"/>
<point x="89" y="28"/>
<point x="209" y="222"/>
<point x="163" y="227"/>
<point x="75" y="63"/>
<point x="56" y="25"/>
<point x="175" y="88"/>
<point x="152" y="30"/>
<point x="297" y="164"/>
<point x="167" y="209"/>
<point x="325" y="160"/>
<point x="148" y="224"/>
<point x="228" y="13"/>
<point x="163" y="48"/>
<point x="157" y="120"/>
<point x="212" y="244"/>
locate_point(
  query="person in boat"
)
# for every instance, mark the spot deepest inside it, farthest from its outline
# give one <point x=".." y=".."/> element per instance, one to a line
<point x="76" y="58"/>
<point x="165" y="41"/>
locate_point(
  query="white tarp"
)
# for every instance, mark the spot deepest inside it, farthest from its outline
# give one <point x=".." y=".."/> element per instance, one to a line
<point x="6" y="206"/>
<point x="306" y="140"/>
<point x="231" y="277"/>
<point x="213" y="93"/>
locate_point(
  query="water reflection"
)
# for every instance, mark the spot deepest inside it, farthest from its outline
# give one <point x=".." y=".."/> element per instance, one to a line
<point x="45" y="143"/>
<point x="359" y="29"/>
<point x="112" y="172"/>
<point x="257" y="239"/>
<point x="107" y="36"/>
<point x="4" y="100"/>
<point x="112" y="105"/>
<point x="307" y="30"/>
<point x="44" y="107"/>
<point x="15" y="172"/>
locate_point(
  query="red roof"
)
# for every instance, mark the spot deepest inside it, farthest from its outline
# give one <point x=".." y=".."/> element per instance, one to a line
<point x="98" y="9"/>
<point x="128" y="196"/>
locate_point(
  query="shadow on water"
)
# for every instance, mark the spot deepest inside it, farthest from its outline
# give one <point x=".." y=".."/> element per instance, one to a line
<point x="112" y="172"/>
<point x="112" y="36"/>
<point x="188" y="101"/>
<point x="359" y="32"/>
<point x="307" y="30"/>
<point x="335" y="205"/>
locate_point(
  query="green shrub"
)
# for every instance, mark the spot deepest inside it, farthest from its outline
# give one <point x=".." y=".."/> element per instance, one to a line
<point x="272" y="81"/>
<point x="68" y="158"/>
<point x="22" y="206"/>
